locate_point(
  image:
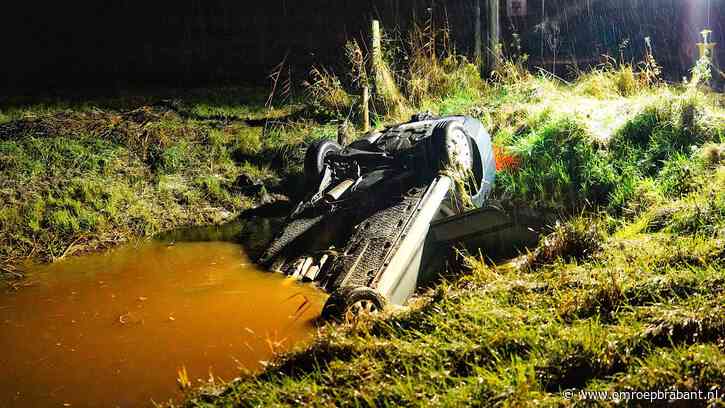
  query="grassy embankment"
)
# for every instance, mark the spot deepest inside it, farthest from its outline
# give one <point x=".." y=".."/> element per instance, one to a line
<point x="626" y="293"/>
<point x="76" y="177"/>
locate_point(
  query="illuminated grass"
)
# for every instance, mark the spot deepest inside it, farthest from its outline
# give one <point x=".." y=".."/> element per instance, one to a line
<point x="626" y="295"/>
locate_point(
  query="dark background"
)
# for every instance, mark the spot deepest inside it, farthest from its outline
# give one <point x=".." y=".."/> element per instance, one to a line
<point x="107" y="46"/>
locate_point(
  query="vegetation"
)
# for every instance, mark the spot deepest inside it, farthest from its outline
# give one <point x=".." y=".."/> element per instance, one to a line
<point x="626" y="294"/>
<point x="81" y="177"/>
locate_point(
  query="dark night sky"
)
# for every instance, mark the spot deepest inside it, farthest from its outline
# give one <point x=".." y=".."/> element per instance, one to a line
<point x="115" y="44"/>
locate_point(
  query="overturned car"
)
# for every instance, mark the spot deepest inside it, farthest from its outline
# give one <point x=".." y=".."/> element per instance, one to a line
<point x="361" y="232"/>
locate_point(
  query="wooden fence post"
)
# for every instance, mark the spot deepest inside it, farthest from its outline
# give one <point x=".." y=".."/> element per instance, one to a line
<point x="366" y="108"/>
<point x="377" y="50"/>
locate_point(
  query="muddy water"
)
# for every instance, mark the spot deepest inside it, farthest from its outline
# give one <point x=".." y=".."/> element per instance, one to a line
<point x="115" y="329"/>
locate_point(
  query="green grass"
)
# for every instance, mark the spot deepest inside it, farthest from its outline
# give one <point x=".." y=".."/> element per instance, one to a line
<point x="560" y="168"/>
<point x="638" y="312"/>
<point x="82" y="176"/>
<point x="624" y="295"/>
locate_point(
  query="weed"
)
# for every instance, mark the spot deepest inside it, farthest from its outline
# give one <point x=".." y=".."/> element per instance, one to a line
<point x="182" y="378"/>
<point x="687" y="368"/>
<point x="712" y="154"/>
<point x="625" y="81"/>
<point x="326" y="94"/>
<point x="662" y="130"/>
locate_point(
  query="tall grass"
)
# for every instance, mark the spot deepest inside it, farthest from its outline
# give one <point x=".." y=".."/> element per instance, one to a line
<point x="559" y="168"/>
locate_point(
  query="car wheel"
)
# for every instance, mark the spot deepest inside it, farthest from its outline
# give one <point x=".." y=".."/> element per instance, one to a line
<point x="315" y="160"/>
<point x="455" y="148"/>
<point x="347" y="304"/>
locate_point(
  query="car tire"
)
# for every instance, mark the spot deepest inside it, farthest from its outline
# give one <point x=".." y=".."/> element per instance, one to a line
<point x="455" y="147"/>
<point x="315" y="161"/>
<point x="348" y="303"/>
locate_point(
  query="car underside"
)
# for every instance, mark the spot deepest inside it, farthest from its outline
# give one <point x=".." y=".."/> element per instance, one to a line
<point x="361" y="232"/>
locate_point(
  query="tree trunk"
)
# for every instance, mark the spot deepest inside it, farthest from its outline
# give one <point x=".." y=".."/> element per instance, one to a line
<point x="494" y="33"/>
<point x="477" y="33"/>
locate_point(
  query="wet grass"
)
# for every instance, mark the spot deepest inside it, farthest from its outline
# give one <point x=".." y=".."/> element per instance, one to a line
<point x="639" y="312"/>
<point x="77" y="177"/>
<point x="624" y="294"/>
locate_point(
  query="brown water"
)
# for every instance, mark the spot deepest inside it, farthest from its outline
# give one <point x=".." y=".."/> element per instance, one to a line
<point x="115" y="329"/>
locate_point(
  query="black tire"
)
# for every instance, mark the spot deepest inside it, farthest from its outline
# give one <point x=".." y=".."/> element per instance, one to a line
<point x="347" y="303"/>
<point x="315" y="161"/>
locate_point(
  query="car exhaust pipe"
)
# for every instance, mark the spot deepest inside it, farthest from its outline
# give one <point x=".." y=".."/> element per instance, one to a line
<point x="336" y="192"/>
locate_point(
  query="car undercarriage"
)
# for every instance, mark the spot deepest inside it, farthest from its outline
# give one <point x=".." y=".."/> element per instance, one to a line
<point x="361" y="232"/>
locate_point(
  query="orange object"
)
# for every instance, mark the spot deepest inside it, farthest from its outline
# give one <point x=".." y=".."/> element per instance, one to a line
<point x="504" y="160"/>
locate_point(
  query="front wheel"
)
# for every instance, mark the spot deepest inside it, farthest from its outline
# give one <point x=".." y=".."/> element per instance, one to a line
<point x="347" y="304"/>
<point x="315" y="161"/>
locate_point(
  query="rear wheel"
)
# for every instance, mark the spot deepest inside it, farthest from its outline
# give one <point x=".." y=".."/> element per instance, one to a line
<point x="347" y="304"/>
<point x="315" y="161"/>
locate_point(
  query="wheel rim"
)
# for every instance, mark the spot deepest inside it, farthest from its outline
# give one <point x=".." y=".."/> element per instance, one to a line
<point x="459" y="150"/>
<point x="359" y="308"/>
